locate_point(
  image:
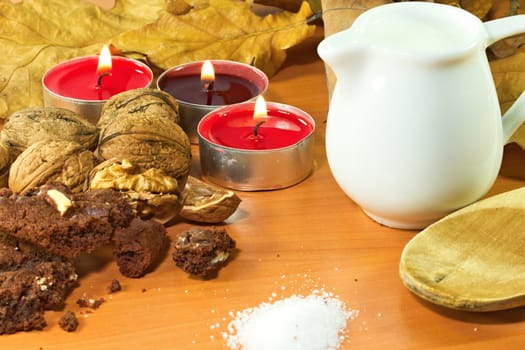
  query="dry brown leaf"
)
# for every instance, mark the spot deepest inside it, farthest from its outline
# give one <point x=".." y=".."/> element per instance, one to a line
<point x="34" y="36"/>
<point x="221" y="29"/>
<point x="509" y="70"/>
<point x="177" y="7"/>
<point x="507" y="46"/>
<point x="479" y="8"/>
<point x="509" y="77"/>
<point x="289" y="5"/>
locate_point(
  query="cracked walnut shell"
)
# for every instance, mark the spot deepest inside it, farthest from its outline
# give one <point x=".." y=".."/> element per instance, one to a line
<point x="207" y="203"/>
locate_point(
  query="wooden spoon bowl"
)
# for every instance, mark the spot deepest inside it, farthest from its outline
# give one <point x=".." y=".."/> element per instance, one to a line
<point x="473" y="259"/>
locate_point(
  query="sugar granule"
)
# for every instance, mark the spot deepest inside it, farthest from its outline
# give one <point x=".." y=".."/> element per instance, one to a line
<point x="313" y="322"/>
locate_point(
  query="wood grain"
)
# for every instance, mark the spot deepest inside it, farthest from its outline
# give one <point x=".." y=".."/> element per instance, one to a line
<point x="290" y="241"/>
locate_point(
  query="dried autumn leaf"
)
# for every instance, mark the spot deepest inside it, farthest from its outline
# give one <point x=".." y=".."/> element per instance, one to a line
<point x="507" y="46"/>
<point x="479" y="8"/>
<point x="509" y="77"/>
<point x="220" y="29"/>
<point x="36" y="35"/>
<point x="289" y="5"/>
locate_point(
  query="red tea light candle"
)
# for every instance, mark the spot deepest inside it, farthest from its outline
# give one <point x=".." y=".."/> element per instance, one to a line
<point x="251" y="148"/>
<point x="84" y="84"/>
<point x="203" y="86"/>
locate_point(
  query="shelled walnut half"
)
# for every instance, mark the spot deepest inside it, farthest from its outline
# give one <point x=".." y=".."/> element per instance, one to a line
<point x="151" y="192"/>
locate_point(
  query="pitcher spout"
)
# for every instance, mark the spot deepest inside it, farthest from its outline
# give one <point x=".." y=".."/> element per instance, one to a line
<point x="336" y="49"/>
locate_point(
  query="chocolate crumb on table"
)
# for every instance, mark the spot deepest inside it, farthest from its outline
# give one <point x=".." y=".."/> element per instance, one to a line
<point x="202" y="251"/>
<point x="68" y="321"/>
<point x="139" y="246"/>
<point x="90" y="303"/>
<point x="114" y="286"/>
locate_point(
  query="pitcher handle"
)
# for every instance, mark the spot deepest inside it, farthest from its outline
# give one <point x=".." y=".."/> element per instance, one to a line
<point x="513" y="118"/>
<point x="496" y="30"/>
<point x="504" y="27"/>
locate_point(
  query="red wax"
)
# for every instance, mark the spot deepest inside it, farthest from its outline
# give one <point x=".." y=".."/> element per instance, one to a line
<point x="233" y="127"/>
<point x="227" y="89"/>
<point x="77" y="78"/>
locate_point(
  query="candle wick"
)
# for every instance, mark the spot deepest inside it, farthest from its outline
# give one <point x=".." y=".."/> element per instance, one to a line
<point x="105" y="74"/>
<point x="208" y="86"/>
<point x="256" y="128"/>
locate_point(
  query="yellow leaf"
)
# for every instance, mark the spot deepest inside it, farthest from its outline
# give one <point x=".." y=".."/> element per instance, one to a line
<point x="36" y="35"/>
<point x="222" y="29"/>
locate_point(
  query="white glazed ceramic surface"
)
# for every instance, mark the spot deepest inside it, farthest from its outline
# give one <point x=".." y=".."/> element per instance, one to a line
<point x="414" y="129"/>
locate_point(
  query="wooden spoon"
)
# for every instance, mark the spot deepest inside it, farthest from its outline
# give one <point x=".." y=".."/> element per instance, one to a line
<point x="473" y="259"/>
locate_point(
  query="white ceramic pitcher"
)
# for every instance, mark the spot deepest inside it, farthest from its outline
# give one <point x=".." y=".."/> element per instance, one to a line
<point x="414" y="127"/>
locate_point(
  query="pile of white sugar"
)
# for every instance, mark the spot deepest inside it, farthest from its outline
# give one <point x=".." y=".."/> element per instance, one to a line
<point x="313" y="322"/>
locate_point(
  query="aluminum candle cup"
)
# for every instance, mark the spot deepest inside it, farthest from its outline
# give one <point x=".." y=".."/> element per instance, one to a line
<point x="74" y="84"/>
<point x="279" y="155"/>
<point x="229" y="82"/>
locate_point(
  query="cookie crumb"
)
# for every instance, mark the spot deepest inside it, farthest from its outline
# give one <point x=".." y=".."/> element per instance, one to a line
<point x="90" y="303"/>
<point x="68" y="321"/>
<point x="203" y="251"/>
<point x="114" y="286"/>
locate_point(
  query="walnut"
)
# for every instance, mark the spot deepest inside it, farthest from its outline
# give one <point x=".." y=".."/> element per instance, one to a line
<point x="148" y="141"/>
<point x="45" y="161"/>
<point x="152" y="193"/>
<point x="207" y="203"/>
<point x="143" y="102"/>
<point x="30" y="125"/>
<point x="5" y="163"/>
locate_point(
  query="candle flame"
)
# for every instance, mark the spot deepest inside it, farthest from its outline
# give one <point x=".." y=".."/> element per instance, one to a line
<point x="104" y="61"/>
<point x="260" y="112"/>
<point x="207" y="73"/>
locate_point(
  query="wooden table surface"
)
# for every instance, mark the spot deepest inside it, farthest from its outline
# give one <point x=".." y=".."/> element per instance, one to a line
<point x="290" y="241"/>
